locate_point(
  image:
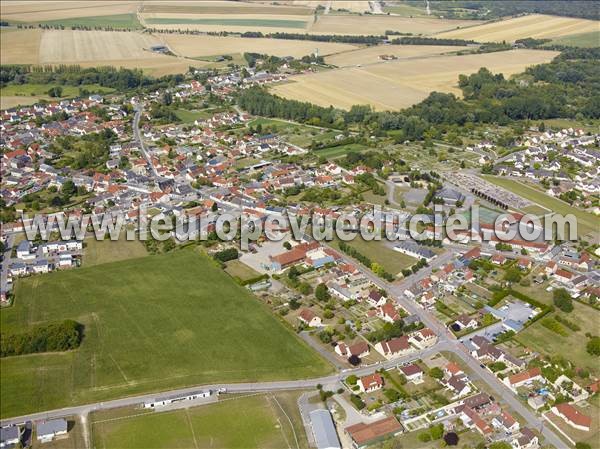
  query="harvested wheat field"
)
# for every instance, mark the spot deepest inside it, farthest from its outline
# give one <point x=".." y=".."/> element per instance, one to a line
<point x="196" y="46"/>
<point x="28" y="11"/>
<point x="19" y="46"/>
<point x="79" y="46"/>
<point x="372" y="55"/>
<point x="399" y="84"/>
<point x="535" y="25"/>
<point x="378" y="24"/>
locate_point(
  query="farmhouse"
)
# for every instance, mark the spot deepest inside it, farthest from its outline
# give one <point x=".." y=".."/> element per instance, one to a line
<point x="370" y="383"/>
<point x="50" y="429"/>
<point x="573" y="417"/>
<point x="363" y="435"/>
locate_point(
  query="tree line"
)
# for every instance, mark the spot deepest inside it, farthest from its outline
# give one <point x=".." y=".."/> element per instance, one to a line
<point x="61" y="336"/>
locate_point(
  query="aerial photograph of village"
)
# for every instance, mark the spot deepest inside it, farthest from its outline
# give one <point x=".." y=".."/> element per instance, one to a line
<point x="294" y="224"/>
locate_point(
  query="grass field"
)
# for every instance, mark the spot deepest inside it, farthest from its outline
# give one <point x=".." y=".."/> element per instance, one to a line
<point x="572" y="347"/>
<point x="14" y="95"/>
<point x="533" y="25"/>
<point x="243" y="422"/>
<point x="588" y="40"/>
<point x="369" y="55"/>
<point x="402" y="83"/>
<point x="378" y="24"/>
<point x="342" y="150"/>
<point x="392" y="261"/>
<point x="585" y="222"/>
<point x="98" y="252"/>
<point x="235" y="268"/>
<point x="151" y="324"/>
<point x="194" y="46"/>
<point x="122" y="21"/>
<point x="238" y="8"/>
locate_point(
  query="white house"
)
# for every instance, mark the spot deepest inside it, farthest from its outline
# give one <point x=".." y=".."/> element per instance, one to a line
<point x="50" y="429"/>
<point x="413" y="373"/>
<point x="309" y="318"/>
<point x="370" y="383"/>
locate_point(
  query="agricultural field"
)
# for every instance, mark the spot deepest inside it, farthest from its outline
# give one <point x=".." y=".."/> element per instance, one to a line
<point x="237" y="269"/>
<point x="223" y="7"/>
<point x="121" y="21"/>
<point x="35" y="12"/>
<point x="144" y="332"/>
<point x="371" y="55"/>
<point x="197" y="46"/>
<point x="586" y="222"/>
<point x="80" y="46"/>
<point x="250" y="421"/>
<point x="534" y="25"/>
<point x="402" y="83"/>
<point x="587" y="40"/>
<point x="89" y="49"/>
<point x="19" y="46"/>
<point x="378" y="24"/>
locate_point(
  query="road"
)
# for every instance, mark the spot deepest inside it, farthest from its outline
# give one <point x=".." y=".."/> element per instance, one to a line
<point x="6" y="262"/>
<point x="137" y="134"/>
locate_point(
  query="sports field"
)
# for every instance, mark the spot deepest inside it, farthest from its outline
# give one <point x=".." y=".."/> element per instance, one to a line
<point x="196" y="46"/>
<point x="151" y="324"/>
<point x="243" y="422"/>
<point x="586" y="222"/>
<point x="534" y="25"/>
<point x="370" y="55"/>
<point x="402" y="83"/>
<point x="378" y="24"/>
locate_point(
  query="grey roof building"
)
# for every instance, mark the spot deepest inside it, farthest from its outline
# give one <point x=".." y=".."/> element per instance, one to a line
<point x="47" y="430"/>
<point x="324" y="430"/>
<point x="9" y="436"/>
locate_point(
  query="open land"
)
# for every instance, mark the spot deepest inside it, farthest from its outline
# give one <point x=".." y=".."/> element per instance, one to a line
<point x="585" y="222"/>
<point x="19" y="46"/>
<point x="145" y="332"/>
<point x="195" y="46"/>
<point x="587" y="40"/>
<point x="371" y="55"/>
<point x="35" y="12"/>
<point x="379" y="24"/>
<point x="534" y="25"/>
<point x="250" y="421"/>
<point x="97" y="252"/>
<point x="402" y="83"/>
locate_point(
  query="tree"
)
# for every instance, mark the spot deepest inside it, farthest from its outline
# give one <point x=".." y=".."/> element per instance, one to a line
<point x="436" y="431"/>
<point x="593" y="346"/>
<point x="55" y="92"/>
<point x="512" y="275"/>
<point x="287" y="245"/>
<point x="562" y="299"/>
<point x="582" y="445"/>
<point x="322" y="292"/>
<point x="436" y="373"/>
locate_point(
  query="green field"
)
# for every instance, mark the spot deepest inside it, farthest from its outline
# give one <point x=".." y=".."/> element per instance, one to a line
<point x="392" y="261"/>
<point x="255" y="421"/>
<point x="586" y="223"/>
<point x="151" y="324"/>
<point x="41" y="90"/>
<point x="572" y="347"/>
<point x="342" y="150"/>
<point x="97" y="252"/>
<point x="587" y="40"/>
<point x="122" y="21"/>
<point x="235" y="268"/>
<point x="276" y="23"/>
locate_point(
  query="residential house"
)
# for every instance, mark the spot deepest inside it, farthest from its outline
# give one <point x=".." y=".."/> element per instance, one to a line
<point x="360" y="349"/>
<point x="573" y="417"/>
<point x="423" y="338"/>
<point x="413" y="373"/>
<point x="506" y="423"/>
<point x="464" y="321"/>
<point x="527" y="440"/>
<point x="524" y="378"/>
<point x="394" y="347"/>
<point x="309" y="318"/>
<point x="363" y="435"/>
<point x="48" y="430"/>
<point x="370" y="383"/>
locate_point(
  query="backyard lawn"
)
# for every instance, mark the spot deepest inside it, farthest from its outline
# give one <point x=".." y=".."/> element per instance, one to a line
<point x="151" y="324"/>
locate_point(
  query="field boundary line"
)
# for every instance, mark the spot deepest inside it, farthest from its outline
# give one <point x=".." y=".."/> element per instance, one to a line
<point x="289" y="420"/>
